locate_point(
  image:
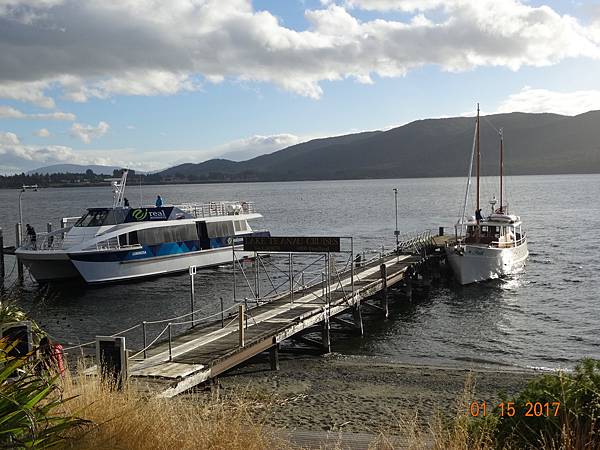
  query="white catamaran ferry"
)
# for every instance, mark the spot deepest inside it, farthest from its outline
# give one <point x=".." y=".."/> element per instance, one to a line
<point x="487" y="247"/>
<point x="121" y="243"/>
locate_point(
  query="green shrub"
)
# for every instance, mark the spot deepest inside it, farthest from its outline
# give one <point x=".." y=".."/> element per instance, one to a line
<point x="575" y="424"/>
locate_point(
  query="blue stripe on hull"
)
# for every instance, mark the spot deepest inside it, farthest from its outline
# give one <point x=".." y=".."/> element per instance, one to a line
<point x="147" y="251"/>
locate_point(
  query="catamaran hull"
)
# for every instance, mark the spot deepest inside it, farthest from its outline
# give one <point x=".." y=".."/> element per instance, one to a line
<point x="48" y="266"/>
<point x="111" y="271"/>
<point x="472" y="263"/>
<point x="55" y="266"/>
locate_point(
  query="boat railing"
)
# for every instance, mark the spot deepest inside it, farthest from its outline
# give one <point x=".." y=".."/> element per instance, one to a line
<point x="213" y="209"/>
<point x="45" y="241"/>
<point x="512" y="243"/>
<point x="113" y="244"/>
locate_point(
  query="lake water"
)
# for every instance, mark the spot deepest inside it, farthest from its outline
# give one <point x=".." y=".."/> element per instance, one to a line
<point x="548" y="316"/>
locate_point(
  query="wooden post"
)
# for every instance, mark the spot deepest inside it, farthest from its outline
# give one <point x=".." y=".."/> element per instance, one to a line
<point x="384" y="300"/>
<point x="291" y="269"/>
<point x="256" y="282"/>
<point x="241" y="323"/>
<point x="357" y="316"/>
<point x="49" y="227"/>
<point x="17" y="245"/>
<point x="170" y="344"/>
<point x="192" y="272"/>
<point x="222" y="314"/>
<point x="1" y="259"/>
<point x="408" y="288"/>
<point x="325" y="337"/>
<point x="274" y="357"/>
<point x="144" y="338"/>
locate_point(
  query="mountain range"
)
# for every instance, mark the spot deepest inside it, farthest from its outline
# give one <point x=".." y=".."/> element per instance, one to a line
<point x="534" y="144"/>
<point x="74" y="168"/>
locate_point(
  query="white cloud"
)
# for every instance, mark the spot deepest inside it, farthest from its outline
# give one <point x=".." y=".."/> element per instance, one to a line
<point x="243" y="149"/>
<point x="26" y="91"/>
<point x="135" y="47"/>
<point x="42" y="132"/>
<point x="401" y="5"/>
<point x="89" y="132"/>
<point x="542" y="100"/>
<point x="16" y="156"/>
<point x="8" y="112"/>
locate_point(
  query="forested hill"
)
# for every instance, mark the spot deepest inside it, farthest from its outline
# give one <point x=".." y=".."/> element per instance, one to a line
<point x="534" y="143"/>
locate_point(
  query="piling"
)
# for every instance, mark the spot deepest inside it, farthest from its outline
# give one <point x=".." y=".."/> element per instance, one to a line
<point x="384" y="290"/>
<point x="2" y="272"/>
<point x="357" y="317"/>
<point x="17" y="245"/>
<point x="241" y="323"/>
<point x="274" y="357"/>
<point x="325" y="336"/>
<point x="49" y="227"/>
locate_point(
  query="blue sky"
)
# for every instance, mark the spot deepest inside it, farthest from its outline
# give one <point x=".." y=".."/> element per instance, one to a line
<point x="149" y="84"/>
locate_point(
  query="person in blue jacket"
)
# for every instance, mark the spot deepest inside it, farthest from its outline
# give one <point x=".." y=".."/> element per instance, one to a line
<point x="159" y="201"/>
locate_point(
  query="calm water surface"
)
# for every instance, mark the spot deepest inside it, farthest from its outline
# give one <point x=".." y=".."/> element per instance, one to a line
<point x="547" y="316"/>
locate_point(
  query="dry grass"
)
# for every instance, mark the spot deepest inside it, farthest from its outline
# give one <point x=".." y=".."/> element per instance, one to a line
<point x="130" y="420"/>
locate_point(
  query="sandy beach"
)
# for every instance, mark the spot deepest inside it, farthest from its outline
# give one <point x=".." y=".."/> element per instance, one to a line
<point x="362" y="394"/>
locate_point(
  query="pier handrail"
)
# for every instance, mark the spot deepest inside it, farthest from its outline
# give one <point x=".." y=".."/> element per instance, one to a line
<point x="172" y="319"/>
<point x="143" y="350"/>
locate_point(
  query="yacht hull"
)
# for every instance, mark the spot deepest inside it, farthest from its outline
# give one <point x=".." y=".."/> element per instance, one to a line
<point x="473" y="263"/>
<point x="110" y="271"/>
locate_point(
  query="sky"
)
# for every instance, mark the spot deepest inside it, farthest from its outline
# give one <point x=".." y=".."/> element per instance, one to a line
<point x="149" y="84"/>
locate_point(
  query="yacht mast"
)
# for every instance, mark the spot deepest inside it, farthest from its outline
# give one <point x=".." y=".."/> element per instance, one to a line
<point x="478" y="158"/>
<point x="501" y="169"/>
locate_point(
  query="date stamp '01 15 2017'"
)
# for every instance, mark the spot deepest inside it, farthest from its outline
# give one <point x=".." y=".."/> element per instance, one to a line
<point x="509" y="409"/>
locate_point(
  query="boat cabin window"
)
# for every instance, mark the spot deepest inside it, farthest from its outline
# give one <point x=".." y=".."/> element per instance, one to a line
<point x="173" y="233"/>
<point x="128" y="239"/>
<point x="101" y="217"/>
<point x="240" y="225"/>
<point x="220" y="229"/>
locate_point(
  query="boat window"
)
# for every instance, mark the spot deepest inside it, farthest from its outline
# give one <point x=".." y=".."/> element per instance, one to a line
<point x="220" y="229"/>
<point x="173" y="233"/>
<point x="128" y="239"/>
<point x="100" y="217"/>
<point x="92" y="219"/>
<point x="240" y="225"/>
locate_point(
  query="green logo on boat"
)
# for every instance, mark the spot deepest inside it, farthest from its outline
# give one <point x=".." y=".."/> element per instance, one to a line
<point x="139" y="214"/>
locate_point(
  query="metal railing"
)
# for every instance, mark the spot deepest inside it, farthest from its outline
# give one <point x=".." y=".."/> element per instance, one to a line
<point x="212" y="209"/>
<point x="45" y="241"/>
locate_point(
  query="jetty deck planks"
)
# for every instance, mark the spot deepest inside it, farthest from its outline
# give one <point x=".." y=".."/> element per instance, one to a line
<point x="206" y="351"/>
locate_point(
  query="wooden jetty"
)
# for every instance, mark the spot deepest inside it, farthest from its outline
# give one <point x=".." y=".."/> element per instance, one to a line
<point x="206" y="351"/>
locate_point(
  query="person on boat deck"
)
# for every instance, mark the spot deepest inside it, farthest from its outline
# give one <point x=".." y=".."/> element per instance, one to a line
<point x="159" y="201"/>
<point x="32" y="234"/>
<point x="125" y="202"/>
<point x="478" y="216"/>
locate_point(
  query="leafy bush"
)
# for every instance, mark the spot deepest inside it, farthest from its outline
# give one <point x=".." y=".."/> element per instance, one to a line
<point x="575" y="426"/>
<point x="27" y="404"/>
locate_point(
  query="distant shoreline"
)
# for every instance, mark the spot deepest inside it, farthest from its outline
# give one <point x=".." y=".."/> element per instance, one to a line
<point x="186" y="182"/>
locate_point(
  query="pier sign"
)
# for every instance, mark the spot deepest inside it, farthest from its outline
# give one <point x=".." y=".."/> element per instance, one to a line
<point x="300" y="244"/>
